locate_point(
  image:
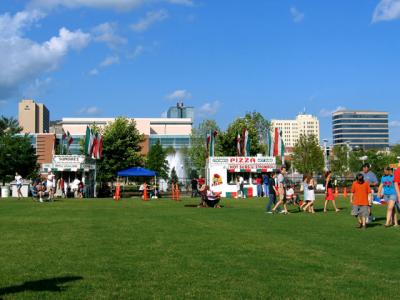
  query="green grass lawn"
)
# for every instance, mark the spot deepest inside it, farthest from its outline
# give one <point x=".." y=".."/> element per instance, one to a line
<point x="102" y="249"/>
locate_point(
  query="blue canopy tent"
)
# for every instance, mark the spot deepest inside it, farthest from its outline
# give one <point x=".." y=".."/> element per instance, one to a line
<point x="137" y="172"/>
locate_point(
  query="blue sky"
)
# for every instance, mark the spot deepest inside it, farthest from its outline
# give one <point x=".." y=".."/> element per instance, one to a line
<point x="138" y="57"/>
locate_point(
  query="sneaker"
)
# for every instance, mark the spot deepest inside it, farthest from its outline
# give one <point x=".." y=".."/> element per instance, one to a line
<point x="40" y="200"/>
<point x="268" y="212"/>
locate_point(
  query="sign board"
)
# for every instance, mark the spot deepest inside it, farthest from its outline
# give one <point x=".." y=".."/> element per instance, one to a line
<point x="233" y="162"/>
<point x="69" y="163"/>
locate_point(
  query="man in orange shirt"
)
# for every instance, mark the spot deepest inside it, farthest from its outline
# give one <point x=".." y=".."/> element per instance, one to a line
<point x="360" y="198"/>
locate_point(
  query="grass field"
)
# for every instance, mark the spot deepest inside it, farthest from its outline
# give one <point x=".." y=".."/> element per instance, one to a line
<point x="102" y="249"/>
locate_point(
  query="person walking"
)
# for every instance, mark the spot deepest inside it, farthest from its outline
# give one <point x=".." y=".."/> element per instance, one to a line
<point x="265" y="179"/>
<point x="273" y="191"/>
<point x="372" y="180"/>
<point x="281" y="191"/>
<point x="360" y="198"/>
<point x="397" y="187"/>
<point x="387" y="191"/>
<point x="309" y="187"/>
<point x="18" y="181"/>
<point x="241" y="186"/>
<point x="329" y="196"/>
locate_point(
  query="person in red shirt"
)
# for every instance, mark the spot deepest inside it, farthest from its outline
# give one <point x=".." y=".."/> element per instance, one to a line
<point x="360" y="198"/>
<point x="397" y="187"/>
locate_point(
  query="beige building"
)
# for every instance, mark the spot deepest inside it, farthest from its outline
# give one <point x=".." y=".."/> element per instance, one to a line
<point x="33" y="117"/>
<point x="292" y="129"/>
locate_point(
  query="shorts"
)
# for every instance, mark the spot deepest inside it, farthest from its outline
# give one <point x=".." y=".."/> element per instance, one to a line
<point x="389" y="198"/>
<point x="19" y="186"/>
<point x="281" y="194"/>
<point x="360" y="211"/>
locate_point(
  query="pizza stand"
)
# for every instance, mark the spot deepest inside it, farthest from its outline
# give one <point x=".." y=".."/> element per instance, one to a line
<point x="69" y="165"/>
<point x="221" y="173"/>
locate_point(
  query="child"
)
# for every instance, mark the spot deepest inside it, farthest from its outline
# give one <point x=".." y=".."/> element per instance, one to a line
<point x="389" y="195"/>
<point x="360" y="198"/>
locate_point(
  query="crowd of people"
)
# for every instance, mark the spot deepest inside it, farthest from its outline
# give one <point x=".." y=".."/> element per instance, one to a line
<point x="48" y="187"/>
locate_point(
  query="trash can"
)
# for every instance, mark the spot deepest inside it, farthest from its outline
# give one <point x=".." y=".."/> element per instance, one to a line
<point x="5" y="191"/>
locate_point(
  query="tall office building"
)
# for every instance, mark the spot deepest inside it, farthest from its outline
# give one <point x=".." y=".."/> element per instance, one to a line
<point x="33" y="117"/>
<point x="180" y="111"/>
<point x="363" y="129"/>
<point x="292" y="129"/>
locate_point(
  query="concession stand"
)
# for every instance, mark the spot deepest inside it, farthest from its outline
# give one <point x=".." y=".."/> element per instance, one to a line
<point x="70" y="167"/>
<point x="222" y="173"/>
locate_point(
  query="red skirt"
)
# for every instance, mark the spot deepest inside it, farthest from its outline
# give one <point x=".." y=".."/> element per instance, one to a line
<point x="329" y="195"/>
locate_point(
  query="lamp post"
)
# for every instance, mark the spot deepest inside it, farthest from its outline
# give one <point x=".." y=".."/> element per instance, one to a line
<point x="348" y="155"/>
<point x="326" y="158"/>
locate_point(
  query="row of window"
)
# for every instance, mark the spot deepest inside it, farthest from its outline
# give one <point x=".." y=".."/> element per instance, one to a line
<point x="358" y="116"/>
<point x="382" y="130"/>
<point x="366" y="136"/>
<point x="344" y="126"/>
<point x="342" y="121"/>
<point x="357" y="141"/>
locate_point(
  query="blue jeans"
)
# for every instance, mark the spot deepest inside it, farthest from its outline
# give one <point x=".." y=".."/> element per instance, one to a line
<point x="259" y="190"/>
<point x="271" y="202"/>
<point x="266" y="189"/>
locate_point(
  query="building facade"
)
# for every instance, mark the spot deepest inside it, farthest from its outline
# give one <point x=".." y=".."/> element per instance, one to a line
<point x="173" y="133"/>
<point x="33" y="117"/>
<point x="292" y="129"/>
<point x="363" y="129"/>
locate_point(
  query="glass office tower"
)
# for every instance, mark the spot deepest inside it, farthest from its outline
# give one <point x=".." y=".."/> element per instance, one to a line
<point x="363" y="129"/>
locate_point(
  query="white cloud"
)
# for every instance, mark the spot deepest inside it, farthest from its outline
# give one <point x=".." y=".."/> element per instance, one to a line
<point x="91" y="110"/>
<point x="109" y="61"/>
<point x="179" y="95"/>
<point x="94" y="72"/>
<point x="297" y="15"/>
<point x="137" y="51"/>
<point x="37" y="88"/>
<point x="151" y="18"/>
<point x="209" y="108"/>
<point x="328" y="113"/>
<point x="24" y="60"/>
<point x="123" y="5"/>
<point x="3" y="102"/>
<point x="394" y="124"/>
<point x="386" y="10"/>
<point x="107" y="33"/>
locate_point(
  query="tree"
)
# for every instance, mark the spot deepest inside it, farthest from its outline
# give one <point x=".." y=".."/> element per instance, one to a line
<point x="198" y="152"/>
<point x="16" y="151"/>
<point x="339" y="160"/>
<point x="308" y="156"/>
<point x="377" y="159"/>
<point x="121" y="148"/>
<point x="157" y="160"/>
<point x="9" y="125"/>
<point x="257" y="127"/>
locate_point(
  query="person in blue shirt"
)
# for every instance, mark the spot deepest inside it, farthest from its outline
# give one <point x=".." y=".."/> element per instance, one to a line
<point x="388" y="193"/>
<point x="265" y="179"/>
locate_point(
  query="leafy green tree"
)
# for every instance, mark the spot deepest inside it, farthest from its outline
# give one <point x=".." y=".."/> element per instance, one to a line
<point x="157" y="160"/>
<point x="121" y="148"/>
<point x="198" y="152"/>
<point x="339" y="160"/>
<point x="308" y="156"/>
<point x="9" y="125"/>
<point x="377" y="159"/>
<point x="257" y="127"/>
<point x="16" y="151"/>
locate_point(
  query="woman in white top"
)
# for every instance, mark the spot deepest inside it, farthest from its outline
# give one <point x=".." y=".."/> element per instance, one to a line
<point x="309" y="194"/>
<point x="50" y="184"/>
<point x="18" y="181"/>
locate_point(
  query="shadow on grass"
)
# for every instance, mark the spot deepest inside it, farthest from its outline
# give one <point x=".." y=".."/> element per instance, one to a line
<point x="43" y="285"/>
